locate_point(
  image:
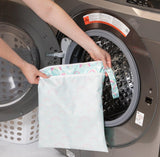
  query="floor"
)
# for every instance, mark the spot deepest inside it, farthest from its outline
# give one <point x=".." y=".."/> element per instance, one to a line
<point x="31" y="150"/>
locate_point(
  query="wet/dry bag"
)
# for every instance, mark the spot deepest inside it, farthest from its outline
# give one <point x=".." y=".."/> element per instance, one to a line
<point x="70" y="107"/>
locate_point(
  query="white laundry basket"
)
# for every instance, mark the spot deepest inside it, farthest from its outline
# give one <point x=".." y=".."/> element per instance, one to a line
<point x="23" y="130"/>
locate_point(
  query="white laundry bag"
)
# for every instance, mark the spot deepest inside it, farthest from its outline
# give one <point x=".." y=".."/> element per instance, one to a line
<point x="70" y="107"/>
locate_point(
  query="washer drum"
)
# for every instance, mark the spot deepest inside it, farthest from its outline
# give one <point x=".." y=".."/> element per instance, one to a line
<point x="116" y="111"/>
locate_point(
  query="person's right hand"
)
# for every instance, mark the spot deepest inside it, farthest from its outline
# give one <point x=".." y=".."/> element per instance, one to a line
<point x="100" y="54"/>
<point x="32" y="73"/>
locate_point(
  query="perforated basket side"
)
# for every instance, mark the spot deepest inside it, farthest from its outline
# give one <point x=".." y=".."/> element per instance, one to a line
<point x="23" y="130"/>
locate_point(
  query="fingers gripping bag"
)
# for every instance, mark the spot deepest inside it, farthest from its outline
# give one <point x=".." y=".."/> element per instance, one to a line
<point x="70" y="107"/>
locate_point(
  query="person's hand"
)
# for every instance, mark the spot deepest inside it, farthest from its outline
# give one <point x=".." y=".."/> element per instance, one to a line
<point x="104" y="56"/>
<point x="32" y="73"/>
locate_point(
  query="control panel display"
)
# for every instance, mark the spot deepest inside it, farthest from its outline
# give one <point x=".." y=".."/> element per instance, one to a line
<point x="146" y="3"/>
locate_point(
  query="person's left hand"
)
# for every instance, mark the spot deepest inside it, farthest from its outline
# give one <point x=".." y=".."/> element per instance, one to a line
<point x="104" y="56"/>
<point x="32" y="73"/>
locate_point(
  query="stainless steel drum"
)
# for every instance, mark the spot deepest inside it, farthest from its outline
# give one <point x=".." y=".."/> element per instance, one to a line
<point x="116" y="111"/>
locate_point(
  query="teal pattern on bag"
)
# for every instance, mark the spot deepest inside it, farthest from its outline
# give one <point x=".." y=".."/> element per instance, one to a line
<point x="115" y="92"/>
<point x="84" y="68"/>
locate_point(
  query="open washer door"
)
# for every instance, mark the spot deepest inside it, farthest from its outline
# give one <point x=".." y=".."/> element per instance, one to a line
<point x="128" y="117"/>
<point x="33" y="40"/>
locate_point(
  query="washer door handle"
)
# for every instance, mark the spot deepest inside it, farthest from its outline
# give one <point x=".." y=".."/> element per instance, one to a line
<point x="57" y="54"/>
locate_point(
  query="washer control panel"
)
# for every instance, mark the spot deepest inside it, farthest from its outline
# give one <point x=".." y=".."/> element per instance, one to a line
<point x="146" y="3"/>
<point x="140" y="2"/>
<point x="151" y="5"/>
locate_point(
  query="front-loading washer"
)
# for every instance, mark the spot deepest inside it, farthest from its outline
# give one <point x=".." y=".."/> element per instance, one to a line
<point x="121" y="28"/>
<point x="128" y="31"/>
<point x="33" y="40"/>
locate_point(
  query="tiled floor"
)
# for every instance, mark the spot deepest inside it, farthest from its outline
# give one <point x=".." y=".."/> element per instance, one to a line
<point x="31" y="150"/>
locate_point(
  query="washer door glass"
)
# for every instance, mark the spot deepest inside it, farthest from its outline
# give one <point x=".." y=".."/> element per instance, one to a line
<point x="13" y="84"/>
<point x="116" y="111"/>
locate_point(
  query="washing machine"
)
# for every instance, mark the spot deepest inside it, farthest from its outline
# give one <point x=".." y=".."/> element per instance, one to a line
<point x="129" y="31"/>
